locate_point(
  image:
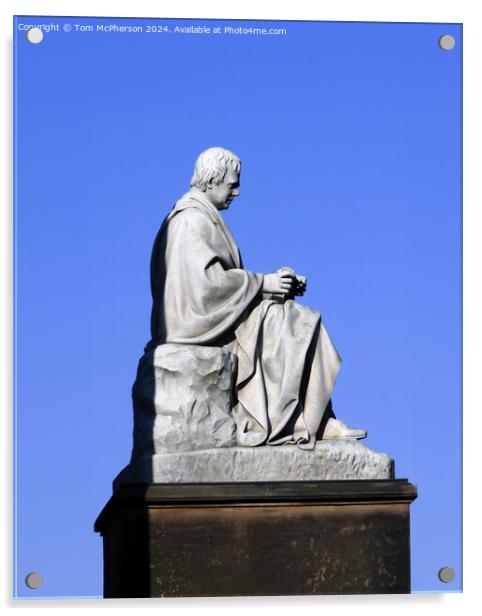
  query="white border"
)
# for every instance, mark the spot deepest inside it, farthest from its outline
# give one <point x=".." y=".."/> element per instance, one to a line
<point x="462" y="11"/>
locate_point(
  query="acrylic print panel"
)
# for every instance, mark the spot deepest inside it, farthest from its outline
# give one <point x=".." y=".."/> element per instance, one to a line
<point x="350" y="138"/>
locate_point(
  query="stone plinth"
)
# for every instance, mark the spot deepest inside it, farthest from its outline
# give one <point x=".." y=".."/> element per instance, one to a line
<point x="285" y="538"/>
<point x="182" y="399"/>
<point x="330" y="460"/>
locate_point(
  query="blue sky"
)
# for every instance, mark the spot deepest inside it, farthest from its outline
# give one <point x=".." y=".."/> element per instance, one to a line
<point x="350" y="137"/>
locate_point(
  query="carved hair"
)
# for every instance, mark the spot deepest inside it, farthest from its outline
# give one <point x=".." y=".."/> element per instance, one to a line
<point x="212" y="165"/>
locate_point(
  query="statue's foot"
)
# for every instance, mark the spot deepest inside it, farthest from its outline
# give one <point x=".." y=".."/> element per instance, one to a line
<point x="336" y="429"/>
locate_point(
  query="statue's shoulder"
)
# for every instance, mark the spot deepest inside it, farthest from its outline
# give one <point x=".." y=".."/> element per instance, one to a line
<point x="189" y="211"/>
<point x="190" y="221"/>
<point x="185" y="215"/>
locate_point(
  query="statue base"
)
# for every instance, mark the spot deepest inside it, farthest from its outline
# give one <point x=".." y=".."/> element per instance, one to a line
<point x="264" y="538"/>
<point x="329" y="460"/>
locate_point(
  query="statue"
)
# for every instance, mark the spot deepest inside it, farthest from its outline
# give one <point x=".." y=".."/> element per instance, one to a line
<point x="236" y="370"/>
<point x="287" y="364"/>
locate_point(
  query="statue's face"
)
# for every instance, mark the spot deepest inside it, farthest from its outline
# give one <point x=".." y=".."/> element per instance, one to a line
<point x="222" y="194"/>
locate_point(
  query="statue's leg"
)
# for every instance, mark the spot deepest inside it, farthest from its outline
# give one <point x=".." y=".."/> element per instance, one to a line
<point x="325" y="364"/>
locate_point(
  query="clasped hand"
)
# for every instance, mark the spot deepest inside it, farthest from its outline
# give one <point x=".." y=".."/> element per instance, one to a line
<point x="284" y="282"/>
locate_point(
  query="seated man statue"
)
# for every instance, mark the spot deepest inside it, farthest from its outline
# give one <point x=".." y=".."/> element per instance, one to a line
<point x="202" y="295"/>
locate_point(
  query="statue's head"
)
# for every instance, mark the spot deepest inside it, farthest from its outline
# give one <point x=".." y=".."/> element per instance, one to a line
<point x="216" y="173"/>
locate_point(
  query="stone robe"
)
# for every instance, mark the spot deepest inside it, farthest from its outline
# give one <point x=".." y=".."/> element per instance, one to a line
<point x="287" y="364"/>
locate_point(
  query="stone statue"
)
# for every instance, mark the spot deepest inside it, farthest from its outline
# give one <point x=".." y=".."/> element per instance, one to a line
<point x="233" y="361"/>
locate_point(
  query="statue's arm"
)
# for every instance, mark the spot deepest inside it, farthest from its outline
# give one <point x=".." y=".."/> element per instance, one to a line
<point x="198" y="263"/>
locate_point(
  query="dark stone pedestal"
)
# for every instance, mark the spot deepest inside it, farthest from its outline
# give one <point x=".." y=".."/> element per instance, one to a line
<point x="283" y="538"/>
